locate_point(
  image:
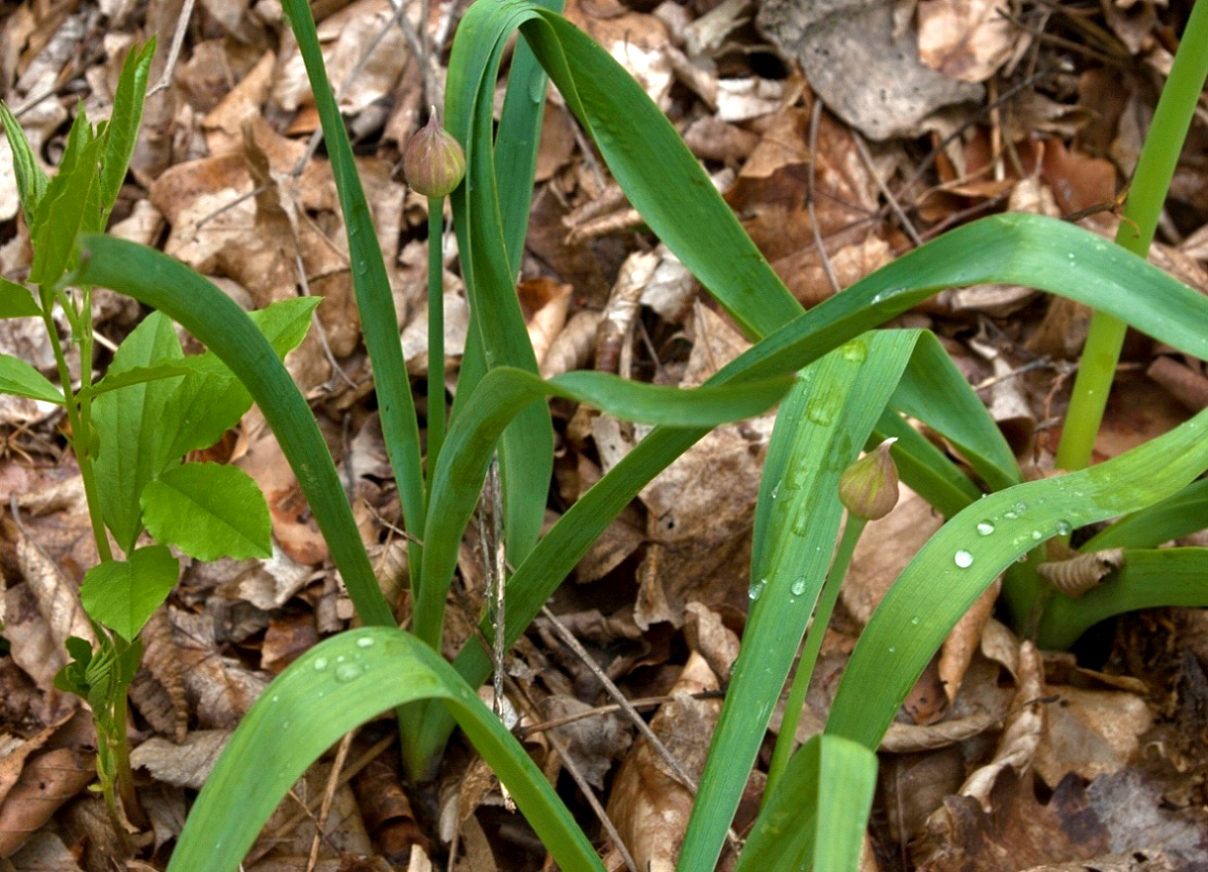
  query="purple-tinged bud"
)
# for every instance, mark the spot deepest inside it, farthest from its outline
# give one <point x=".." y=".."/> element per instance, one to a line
<point x="434" y="162"/>
<point x="868" y="488"/>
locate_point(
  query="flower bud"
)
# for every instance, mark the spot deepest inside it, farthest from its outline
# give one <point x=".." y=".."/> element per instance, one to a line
<point x="868" y="488"/>
<point x="434" y="162"/>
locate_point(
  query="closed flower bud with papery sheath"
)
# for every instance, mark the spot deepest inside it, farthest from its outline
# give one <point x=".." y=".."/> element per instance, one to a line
<point x="868" y="488"/>
<point x="434" y="162"/>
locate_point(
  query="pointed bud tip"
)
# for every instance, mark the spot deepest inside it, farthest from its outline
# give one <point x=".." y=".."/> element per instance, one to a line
<point x="868" y="488"/>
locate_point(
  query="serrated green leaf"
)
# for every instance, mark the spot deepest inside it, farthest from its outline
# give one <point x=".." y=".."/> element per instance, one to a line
<point x="68" y="205"/>
<point x="18" y="377"/>
<point x="121" y="133"/>
<point x="16" y="301"/>
<point x="122" y="594"/>
<point x="135" y="427"/>
<point x="31" y="181"/>
<point x="208" y="511"/>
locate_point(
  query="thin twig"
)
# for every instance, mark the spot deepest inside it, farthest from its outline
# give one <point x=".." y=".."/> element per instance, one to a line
<point x="601" y="710"/>
<point x="568" y="639"/>
<point x="907" y="226"/>
<point x="178" y="40"/>
<point x="815" y="118"/>
<point x="329" y="793"/>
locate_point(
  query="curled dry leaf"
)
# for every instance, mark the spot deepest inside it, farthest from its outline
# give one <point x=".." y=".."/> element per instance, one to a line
<point x="966" y="40"/>
<point x="1077" y="575"/>
<point x="1021" y="734"/>
<point x="572" y="348"/>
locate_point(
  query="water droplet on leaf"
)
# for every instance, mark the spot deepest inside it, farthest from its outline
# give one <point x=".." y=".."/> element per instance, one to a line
<point x="963" y="559"/>
<point x="365" y="642"/>
<point x="320" y="664"/>
<point x="985" y="528"/>
<point x="347" y="672"/>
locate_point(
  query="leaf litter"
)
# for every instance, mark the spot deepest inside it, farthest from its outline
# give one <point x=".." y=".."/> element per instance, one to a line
<point x="1004" y="757"/>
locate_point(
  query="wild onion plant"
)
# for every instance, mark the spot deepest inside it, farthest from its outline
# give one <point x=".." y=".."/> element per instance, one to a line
<point x="848" y="385"/>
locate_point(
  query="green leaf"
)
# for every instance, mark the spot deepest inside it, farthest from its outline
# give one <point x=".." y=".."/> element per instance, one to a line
<point x="135" y="427"/>
<point x="1147" y="579"/>
<point x="31" y="181"/>
<point x="122" y="594"/>
<point x="285" y="323"/>
<point x="379" y="322"/>
<point x="350" y="679"/>
<point x="959" y="562"/>
<point x="18" y="377"/>
<point x="1185" y="512"/>
<point x="66" y="206"/>
<point x="500" y="396"/>
<point x="815" y="818"/>
<point x="225" y="329"/>
<point x="208" y="511"/>
<point x="818" y="434"/>
<point x="121" y="133"/>
<point x="16" y="301"/>
<point x="140" y="375"/>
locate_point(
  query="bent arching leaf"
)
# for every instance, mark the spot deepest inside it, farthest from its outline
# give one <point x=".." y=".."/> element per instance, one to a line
<point x="354" y="677"/>
<point x="226" y="330"/>
<point x="959" y="562"/>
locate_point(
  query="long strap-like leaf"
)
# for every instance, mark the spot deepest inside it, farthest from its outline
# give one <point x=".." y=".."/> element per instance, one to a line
<point x="331" y="689"/>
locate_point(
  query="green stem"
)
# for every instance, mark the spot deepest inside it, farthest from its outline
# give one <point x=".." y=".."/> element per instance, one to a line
<point x="436" y="333"/>
<point x="1151" y="181"/>
<point x="78" y="414"/>
<point x="787" y="740"/>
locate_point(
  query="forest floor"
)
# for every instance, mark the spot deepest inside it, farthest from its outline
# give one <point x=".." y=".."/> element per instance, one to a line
<point x="842" y="136"/>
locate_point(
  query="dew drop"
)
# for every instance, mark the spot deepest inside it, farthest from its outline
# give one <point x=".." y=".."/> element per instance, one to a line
<point x="855" y="351"/>
<point x="320" y="664"/>
<point x="1037" y="535"/>
<point x="1064" y="528"/>
<point x="365" y="642"/>
<point x="1020" y="508"/>
<point x="800" y="524"/>
<point x="915" y="620"/>
<point x="1010" y="515"/>
<point x="347" y="672"/>
<point x="798" y="587"/>
<point x="963" y="559"/>
<point x="275" y="697"/>
<point x="776" y="490"/>
<point x="893" y="649"/>
<point x="819" y="412"/>
<point x="756" y="590"/>
<point x="284" y="726"/>
<point x="985" y="528"/>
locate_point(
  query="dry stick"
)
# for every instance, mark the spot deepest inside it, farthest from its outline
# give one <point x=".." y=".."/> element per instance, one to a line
<point x="572" y="768"/>
<point x="866" y="158"/>
<point x="346" y="776"/>
<point x="590" y="795"/>
<point x="178" y="40"/>
<point x="328" y="795"/>
<point x="972" y="119"/>
<point x="600" y="710"/>
<point x="815" y="118"/>
<point x="304" y="283"/>
<point x="686" y="780"/>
